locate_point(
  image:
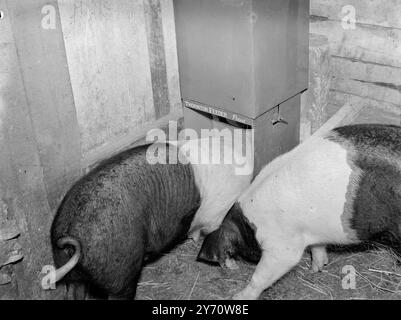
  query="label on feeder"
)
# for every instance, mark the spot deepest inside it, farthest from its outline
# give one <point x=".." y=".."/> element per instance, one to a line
<point x="218" y="112"/>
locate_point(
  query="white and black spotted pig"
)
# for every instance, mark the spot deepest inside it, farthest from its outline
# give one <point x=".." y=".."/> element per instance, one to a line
<point x="127" y="210"/>
<point x="344" y="188"/>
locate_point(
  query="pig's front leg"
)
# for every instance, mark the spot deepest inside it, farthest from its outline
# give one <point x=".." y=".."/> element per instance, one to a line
<point x="319" y="258"/>
<point x="274" y="264"/>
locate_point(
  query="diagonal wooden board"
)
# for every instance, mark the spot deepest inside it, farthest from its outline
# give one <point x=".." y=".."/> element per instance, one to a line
<point x="359" y="110"/>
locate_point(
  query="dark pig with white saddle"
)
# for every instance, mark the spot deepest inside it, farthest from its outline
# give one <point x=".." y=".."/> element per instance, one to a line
<point x="342" y="188"/>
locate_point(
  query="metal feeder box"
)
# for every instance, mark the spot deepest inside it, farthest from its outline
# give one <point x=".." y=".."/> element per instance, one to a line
<point x="247" y="61"/>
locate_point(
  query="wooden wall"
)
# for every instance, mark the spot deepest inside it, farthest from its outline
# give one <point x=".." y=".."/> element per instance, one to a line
<point x="123" y="68"/>
<point x="366" y="61"/>
<point x="70" y="95"/>
<point x="105" y="74"/>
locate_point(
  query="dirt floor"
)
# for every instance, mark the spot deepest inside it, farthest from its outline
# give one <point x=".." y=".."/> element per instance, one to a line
<point x="177" y="275"/>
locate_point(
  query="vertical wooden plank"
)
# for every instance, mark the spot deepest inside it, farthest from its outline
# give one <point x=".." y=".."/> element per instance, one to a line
<point x="157" y="57"/>
<point x="44" y="69"/>
<point x="22" y="176"/>
<point x="170" y="45"/>
<point x="8" y="65"/>
<point x="314" y="101"/>
<point x="109" y="66"/>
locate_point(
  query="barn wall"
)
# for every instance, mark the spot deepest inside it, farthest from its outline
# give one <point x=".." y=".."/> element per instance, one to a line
<point x="366" y="61"/>
<point x="123" y="67"/>
<point x="72" y="92"/>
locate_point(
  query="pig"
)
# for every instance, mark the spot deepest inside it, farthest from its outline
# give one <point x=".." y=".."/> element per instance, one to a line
<point x="343" y="188"/>
<point x="130" y="208"/>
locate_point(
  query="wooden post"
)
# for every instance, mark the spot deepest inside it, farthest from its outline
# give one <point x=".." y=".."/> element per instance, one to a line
<point x="40" y="146"/>
<point x="314" y="101"/>
<point x="43" y="64"/>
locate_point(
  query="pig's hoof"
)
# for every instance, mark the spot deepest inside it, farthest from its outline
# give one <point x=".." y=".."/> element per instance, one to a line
<point x="319" y="259"/>
<point x="318" y="266"/>
<point x="231" y="264"/>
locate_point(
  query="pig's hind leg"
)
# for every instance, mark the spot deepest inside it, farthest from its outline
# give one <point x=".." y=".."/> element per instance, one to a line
<point x="127" y="292"/>
<point x="76" y="291"/>
<point x="277" y="260"/>
<point x="126" y="289"/>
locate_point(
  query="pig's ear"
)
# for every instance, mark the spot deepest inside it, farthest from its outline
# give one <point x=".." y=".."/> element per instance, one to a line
<point x="207" y="256"/>
<point x="210" y="249"/>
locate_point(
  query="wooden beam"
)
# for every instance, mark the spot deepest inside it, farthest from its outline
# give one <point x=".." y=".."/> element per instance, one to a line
<point x="372" y="44"/>
<point x="40" y="137"/>
<point x="377" y="12"/>
<point x="46" y="80"/>
<point x="157" y="57"/>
